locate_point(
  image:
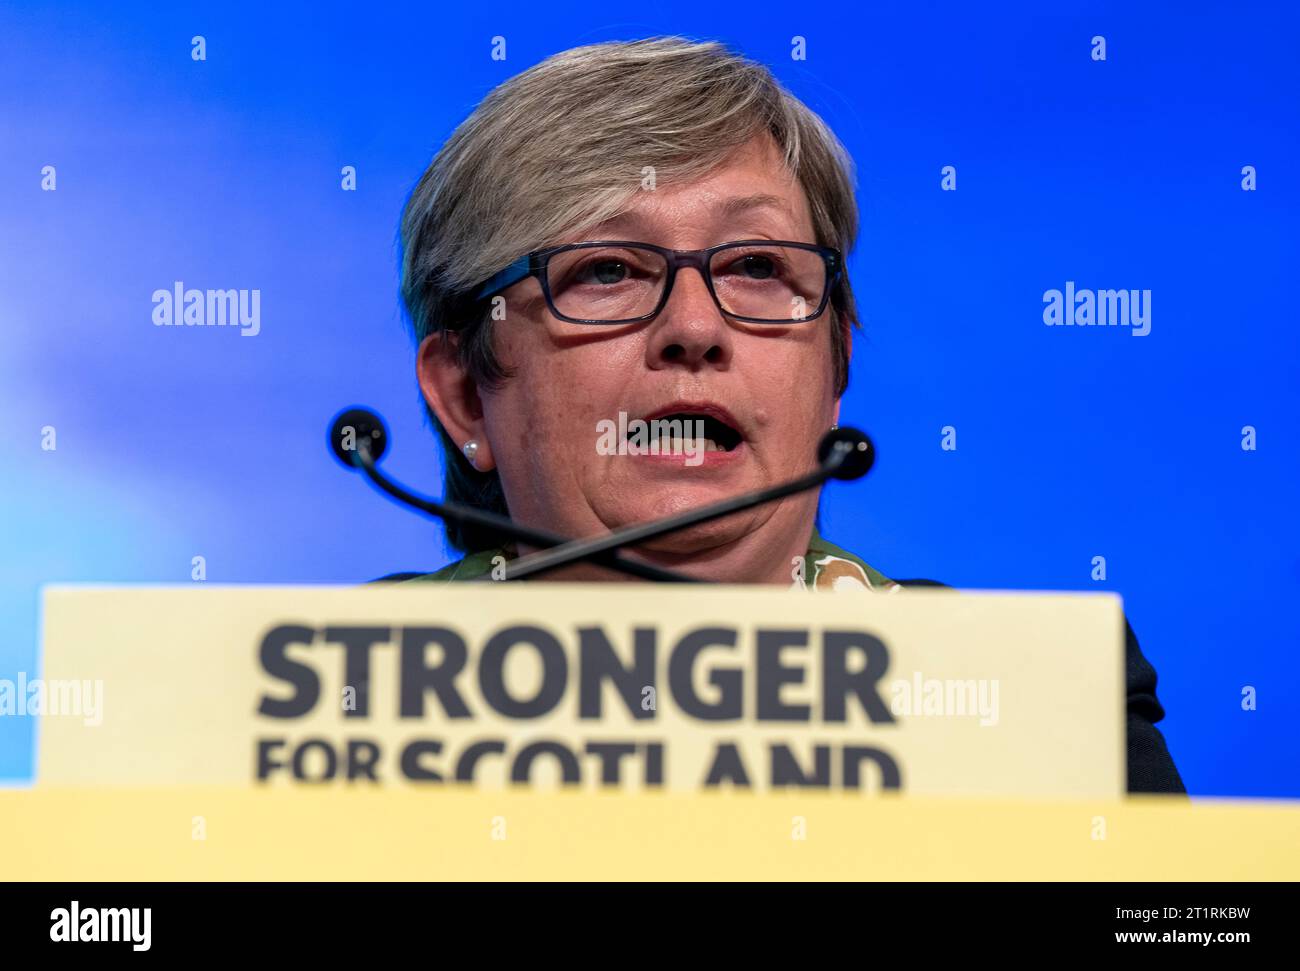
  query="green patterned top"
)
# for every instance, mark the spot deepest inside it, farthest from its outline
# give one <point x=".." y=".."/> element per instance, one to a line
<point x="829" y="566"/>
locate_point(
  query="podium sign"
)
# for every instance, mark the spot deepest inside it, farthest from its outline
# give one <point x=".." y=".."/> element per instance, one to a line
<point x="634" y="687"/>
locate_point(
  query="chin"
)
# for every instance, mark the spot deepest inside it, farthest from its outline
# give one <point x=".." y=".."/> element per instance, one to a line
<point x="680" y="547"/>
<point x="641" y="505"/>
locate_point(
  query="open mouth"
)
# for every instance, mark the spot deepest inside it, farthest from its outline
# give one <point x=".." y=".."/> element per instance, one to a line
<point x="691" y="431"/>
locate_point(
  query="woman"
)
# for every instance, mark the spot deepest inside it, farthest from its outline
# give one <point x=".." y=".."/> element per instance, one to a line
<point x="640" y="232"/>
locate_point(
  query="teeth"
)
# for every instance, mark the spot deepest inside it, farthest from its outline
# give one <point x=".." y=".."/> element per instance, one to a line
<point x="668" y="440"/>
<point x="709" y="445"/>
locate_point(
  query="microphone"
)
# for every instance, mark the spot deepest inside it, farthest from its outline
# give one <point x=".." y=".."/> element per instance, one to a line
<point x="843" y="453"/>
<point x="358" y="439"/>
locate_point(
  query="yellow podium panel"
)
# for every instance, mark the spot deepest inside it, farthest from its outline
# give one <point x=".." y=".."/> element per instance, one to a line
<point x="422" y="732"/>
<point x="639" y="687"/>
<point x="458" y="833"/>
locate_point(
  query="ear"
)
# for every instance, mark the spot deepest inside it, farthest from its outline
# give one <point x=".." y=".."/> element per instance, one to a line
<point x="453" y="396"/>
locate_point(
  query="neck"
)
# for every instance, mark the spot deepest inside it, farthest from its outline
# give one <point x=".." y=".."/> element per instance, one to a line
<point x="765" y="555"/>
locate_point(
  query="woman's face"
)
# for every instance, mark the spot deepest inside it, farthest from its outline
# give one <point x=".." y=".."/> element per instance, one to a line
<point x="771" y="383"/>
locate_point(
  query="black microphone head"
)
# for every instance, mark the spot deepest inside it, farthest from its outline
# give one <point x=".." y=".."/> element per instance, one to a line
<point x="354" y="427"/>
<point x="859" y="452"/>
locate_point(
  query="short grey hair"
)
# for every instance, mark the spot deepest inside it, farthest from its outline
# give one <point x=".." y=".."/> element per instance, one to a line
<point x="565" y="145"/>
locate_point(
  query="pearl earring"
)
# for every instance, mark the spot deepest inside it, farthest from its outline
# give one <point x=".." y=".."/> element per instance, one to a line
<point x="470" y="449"/>
<point x="835" y="427"/>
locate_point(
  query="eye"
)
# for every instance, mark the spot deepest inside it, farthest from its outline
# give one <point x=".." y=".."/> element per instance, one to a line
<point x="603" y="271"/>
<point x="756" y="266"/>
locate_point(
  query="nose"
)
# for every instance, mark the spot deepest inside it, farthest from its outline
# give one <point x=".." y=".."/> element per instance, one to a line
<point x="690" y="331"/>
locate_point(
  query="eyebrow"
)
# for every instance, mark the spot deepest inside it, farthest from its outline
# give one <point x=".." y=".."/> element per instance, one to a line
<point x="742" y="205"/>
<point x="728" y="208"/>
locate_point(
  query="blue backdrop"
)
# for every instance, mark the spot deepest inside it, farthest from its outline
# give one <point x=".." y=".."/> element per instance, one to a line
<point x="1072" y="442"/>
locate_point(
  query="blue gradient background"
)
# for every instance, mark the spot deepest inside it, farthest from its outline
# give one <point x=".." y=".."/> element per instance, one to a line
<point x="175" y="442"/>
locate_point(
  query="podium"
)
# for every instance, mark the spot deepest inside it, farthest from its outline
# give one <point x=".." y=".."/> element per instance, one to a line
<point x="547" y="731"/>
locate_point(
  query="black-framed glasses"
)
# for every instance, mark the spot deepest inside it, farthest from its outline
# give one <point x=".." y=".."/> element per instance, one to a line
<point x="759" y="281"/>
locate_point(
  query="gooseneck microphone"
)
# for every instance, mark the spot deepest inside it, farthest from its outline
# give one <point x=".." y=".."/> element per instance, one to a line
<point x="359" y="439"/>
<point x="844" y="453"/>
